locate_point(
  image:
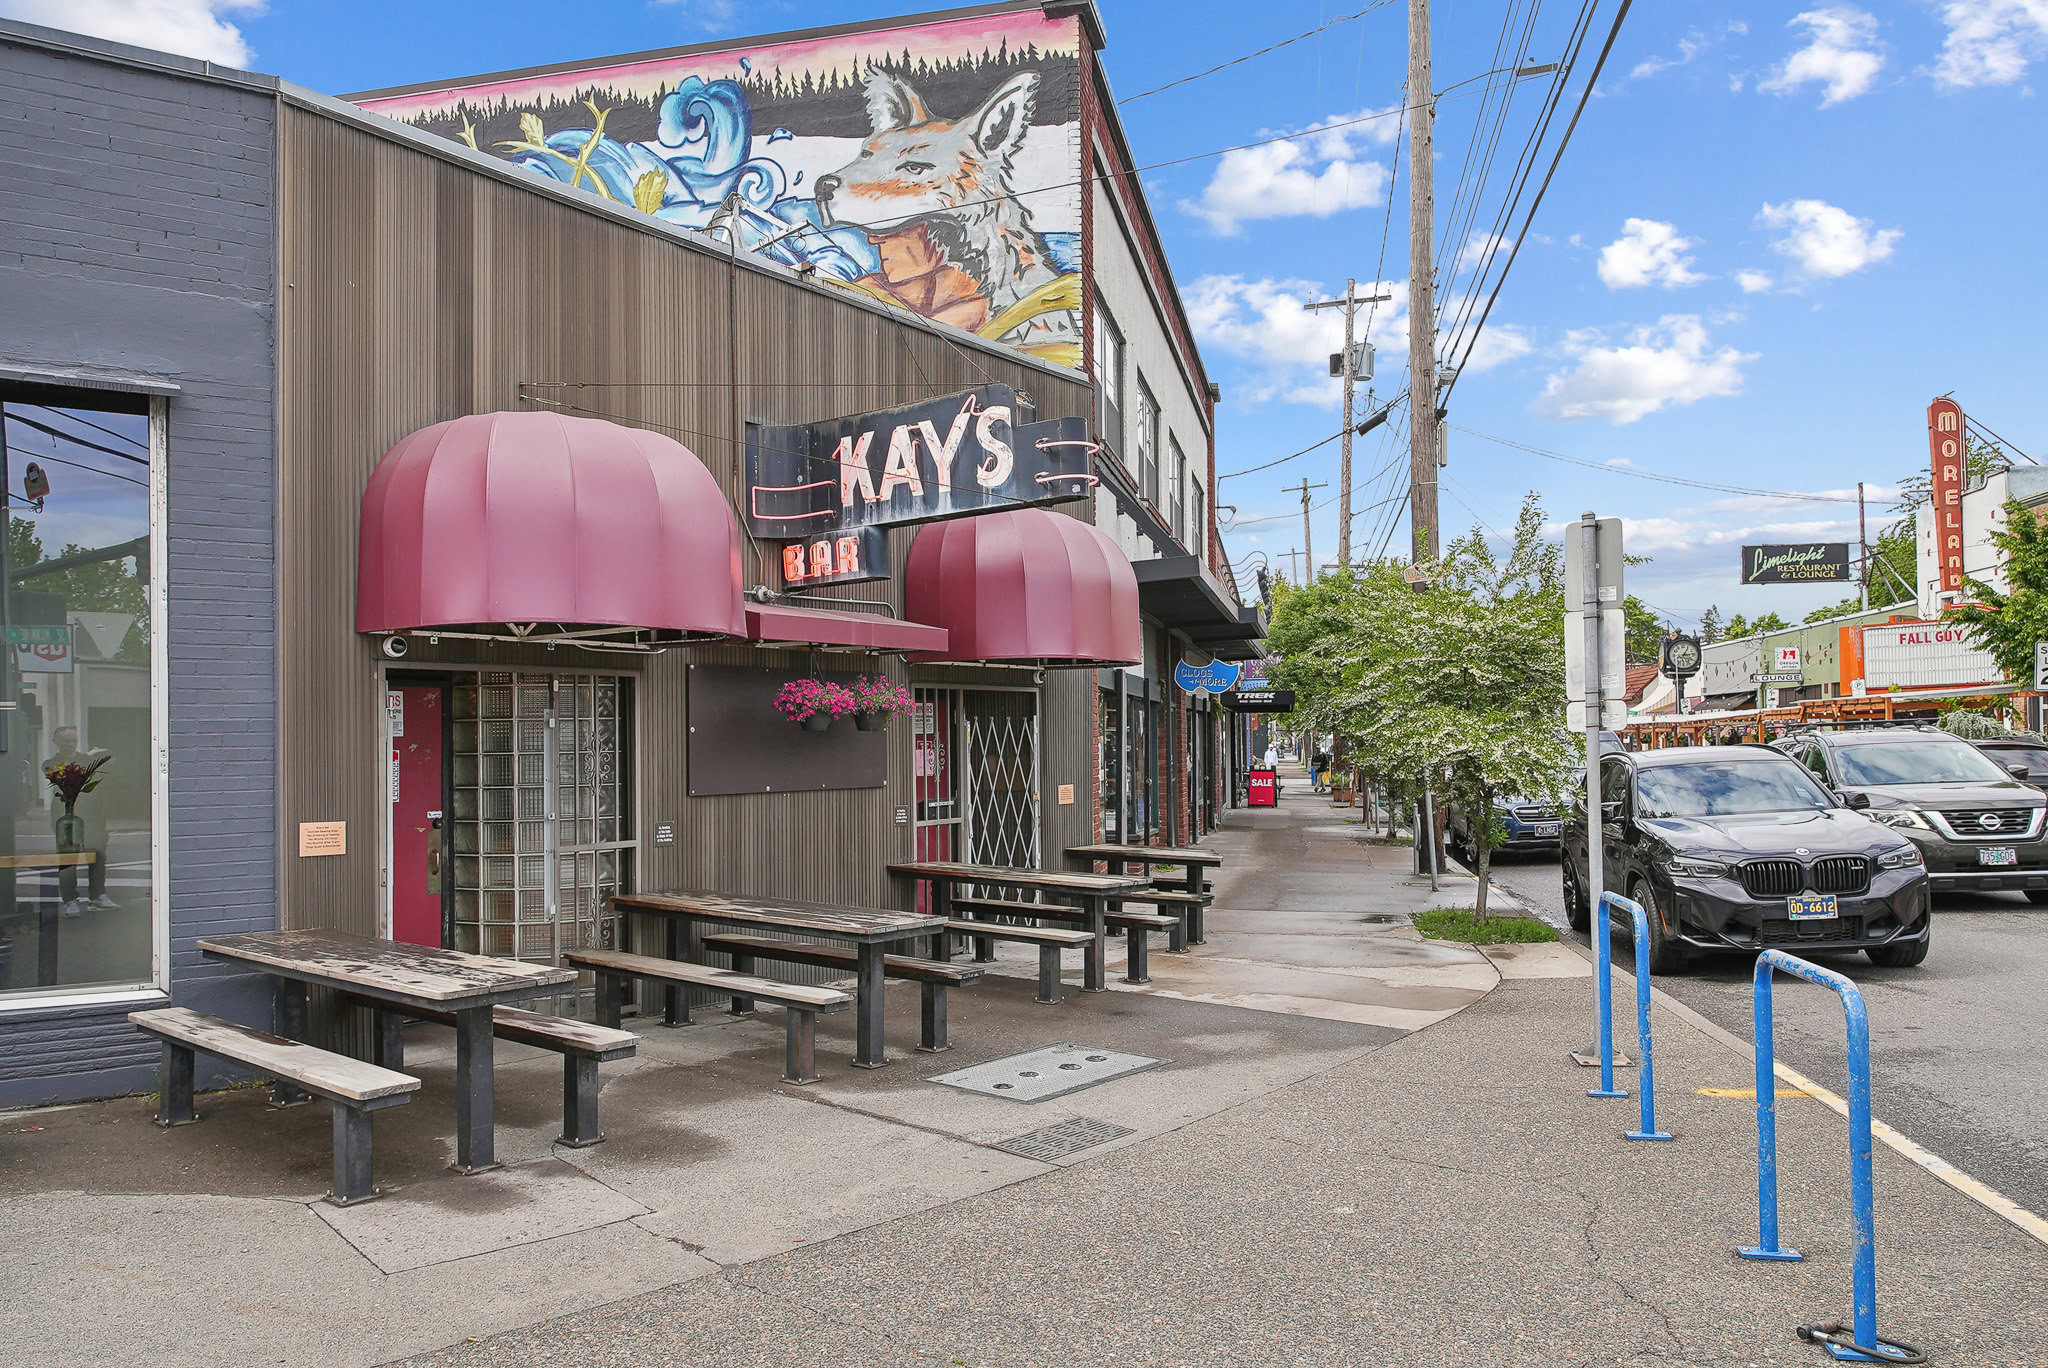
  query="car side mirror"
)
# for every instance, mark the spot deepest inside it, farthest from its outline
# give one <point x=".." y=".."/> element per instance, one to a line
<point x="2018" y="771"/>
<point x="1613" y="812"/>
<point x="1858" y="801"/>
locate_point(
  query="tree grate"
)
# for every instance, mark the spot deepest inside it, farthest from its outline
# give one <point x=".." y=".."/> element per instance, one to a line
<point x="1068" y="1137"/>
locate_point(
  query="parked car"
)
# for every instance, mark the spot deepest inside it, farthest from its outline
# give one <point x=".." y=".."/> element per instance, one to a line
<point x="2024" y="758"/>
<point x="1738" y="848"/>
<point x="1976" y="825"/>
<point x="1528" y="824"/>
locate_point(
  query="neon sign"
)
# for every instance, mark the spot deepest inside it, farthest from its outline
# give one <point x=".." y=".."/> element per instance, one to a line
<point x="843" y="558"/>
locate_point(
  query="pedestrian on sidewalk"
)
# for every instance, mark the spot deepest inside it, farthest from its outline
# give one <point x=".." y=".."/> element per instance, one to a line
<point x="1319" y="771"/>
<point x="1272" y="757"/>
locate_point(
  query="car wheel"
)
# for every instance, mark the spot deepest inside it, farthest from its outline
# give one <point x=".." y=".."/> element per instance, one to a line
<point x="1577" y="913"/>
<point x="1667" y="956"/>
<point x="2037" y="895"/>
<point x="1905" y="954"/>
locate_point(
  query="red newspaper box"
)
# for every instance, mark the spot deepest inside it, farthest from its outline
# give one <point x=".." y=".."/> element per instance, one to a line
<point x="1263" y="788"/>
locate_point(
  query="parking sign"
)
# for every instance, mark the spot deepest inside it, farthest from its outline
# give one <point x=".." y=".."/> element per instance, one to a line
<point x="2040" y="666"/>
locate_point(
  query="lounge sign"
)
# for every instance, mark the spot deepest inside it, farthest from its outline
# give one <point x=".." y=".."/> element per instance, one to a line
<point x="1795" y="563"/>
<point x="973" y="452"/>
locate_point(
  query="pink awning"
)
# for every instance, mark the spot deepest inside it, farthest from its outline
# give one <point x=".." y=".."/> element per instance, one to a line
<point x="550" y="525"/>
<point x="823" y="627"/>
<point x="1026" y="586"/>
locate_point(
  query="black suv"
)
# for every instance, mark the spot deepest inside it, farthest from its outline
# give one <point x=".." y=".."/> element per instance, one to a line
<point x="1976" y="825"/>
<point x="2025" y="758"/>
<point x="1737" y="848"/>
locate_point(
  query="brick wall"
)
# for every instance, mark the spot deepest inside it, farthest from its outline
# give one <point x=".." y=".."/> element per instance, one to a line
<point x="137" y="232"/>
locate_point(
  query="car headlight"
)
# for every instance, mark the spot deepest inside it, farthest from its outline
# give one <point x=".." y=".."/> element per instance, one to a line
<point x="1902" y="858"/>
<point x="1692" y="866"/>
<point x="1904" y="818"/>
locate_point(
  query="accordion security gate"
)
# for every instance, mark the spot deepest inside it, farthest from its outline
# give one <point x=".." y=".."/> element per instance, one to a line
<point x="976" y="774"/>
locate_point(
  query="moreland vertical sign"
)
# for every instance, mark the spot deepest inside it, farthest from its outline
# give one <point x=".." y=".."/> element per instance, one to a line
<point x="1945" y="441"/>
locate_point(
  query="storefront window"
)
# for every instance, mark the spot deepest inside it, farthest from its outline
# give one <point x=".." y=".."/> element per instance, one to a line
<point x="1138" y="792"/>
<point x="78" y="906"/>
<point x="1107" y="770"/>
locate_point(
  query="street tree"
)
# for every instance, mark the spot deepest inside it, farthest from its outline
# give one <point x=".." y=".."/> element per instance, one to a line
<point x="2009" y="624"/>
<point x="1710" y="625"/>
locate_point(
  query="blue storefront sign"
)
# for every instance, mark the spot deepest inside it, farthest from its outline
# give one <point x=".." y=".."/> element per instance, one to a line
<point x="1215" y="677"/>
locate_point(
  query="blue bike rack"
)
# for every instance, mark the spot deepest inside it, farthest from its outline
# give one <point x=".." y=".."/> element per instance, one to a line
<point x="1602" y="941"/>
<point x="1861" y="1345"/>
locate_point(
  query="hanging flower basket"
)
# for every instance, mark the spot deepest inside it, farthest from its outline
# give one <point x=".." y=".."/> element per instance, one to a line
<point x="875" y="701"/>
<point x="813" y="704"/>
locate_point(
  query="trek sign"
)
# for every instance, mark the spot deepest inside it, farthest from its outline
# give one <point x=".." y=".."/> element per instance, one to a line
<point x="977" y="451"/>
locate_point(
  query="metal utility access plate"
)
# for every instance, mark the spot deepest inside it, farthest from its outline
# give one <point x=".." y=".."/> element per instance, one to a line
<point x="1051" y="1072"/>
<point x="1068" y="1137"/>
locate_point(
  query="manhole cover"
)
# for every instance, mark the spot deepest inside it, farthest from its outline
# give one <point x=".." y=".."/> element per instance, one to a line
<point x="1068" y="1137"/>
<point x="1051" y="1072"/>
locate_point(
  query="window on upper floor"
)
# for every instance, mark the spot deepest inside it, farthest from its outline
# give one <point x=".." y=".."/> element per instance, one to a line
<point x="1177" y="464"/>
<point x="1145" y="444"/>
<point x="1109" y="380"/>
<point x="1198" y="522"/>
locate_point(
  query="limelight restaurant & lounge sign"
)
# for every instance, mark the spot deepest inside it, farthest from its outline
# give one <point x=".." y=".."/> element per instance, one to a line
<point x="1796" y="563"/>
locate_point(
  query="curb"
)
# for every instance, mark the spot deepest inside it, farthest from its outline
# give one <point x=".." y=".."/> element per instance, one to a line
<point x="1918" y="1155"/>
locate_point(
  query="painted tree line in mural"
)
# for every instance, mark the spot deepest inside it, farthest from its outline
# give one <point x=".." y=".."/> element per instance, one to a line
<point x="832" y="105"/>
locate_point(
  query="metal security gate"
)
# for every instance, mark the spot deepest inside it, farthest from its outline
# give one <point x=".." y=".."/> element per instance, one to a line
<point x="542" y="826"/>
<point x="975" y="767"/>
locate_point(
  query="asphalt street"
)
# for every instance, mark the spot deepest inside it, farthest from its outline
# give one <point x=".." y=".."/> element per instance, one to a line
<point x="1957" y="1062"/>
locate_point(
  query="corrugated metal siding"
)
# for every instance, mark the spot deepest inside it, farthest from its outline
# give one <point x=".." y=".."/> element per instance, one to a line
<point x="416" y="291"/>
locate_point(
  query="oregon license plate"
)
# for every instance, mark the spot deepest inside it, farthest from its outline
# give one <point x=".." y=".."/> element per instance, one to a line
<point x="1998" y="855"/>
<point x="1810" y="906"/>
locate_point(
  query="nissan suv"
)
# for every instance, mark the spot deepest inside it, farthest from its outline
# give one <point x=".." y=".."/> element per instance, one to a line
<point x="1977" y="826"/>
<point x="1738" y="848"/>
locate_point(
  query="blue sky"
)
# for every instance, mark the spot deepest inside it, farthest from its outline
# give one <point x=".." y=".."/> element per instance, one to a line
<point x="1777" y="234"/>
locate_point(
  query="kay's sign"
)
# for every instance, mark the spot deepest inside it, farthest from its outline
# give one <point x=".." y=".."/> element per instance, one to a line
<point x="972" y="452"/>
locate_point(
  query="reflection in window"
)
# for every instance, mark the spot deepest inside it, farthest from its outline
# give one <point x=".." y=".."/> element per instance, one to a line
<point x="76" y="909"/>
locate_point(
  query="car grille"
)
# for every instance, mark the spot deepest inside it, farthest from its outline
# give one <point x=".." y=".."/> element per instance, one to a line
<point x="1783" y="878"/>
<point x="1535" y="814"/>
<point x="1781" y="932"/>
<point x="2008" y="821"/>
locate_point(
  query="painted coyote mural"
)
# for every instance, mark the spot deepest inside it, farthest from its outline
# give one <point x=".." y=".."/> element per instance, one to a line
<point x="933" y="167"/>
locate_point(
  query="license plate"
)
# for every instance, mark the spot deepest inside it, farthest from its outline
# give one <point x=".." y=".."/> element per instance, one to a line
<point x="1547" y="828"/>
<point x="1810" y="906"/>
<point x="1998" y="855"/>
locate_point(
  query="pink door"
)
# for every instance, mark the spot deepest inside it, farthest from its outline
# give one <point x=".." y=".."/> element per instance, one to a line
<point x="418" y="809"/>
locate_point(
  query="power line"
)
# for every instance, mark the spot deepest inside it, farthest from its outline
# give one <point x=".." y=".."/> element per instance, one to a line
<point x="1253" y="470"/>
<point x="1271" y="47"/>
<point x="1651" y="475"/>
<point x="75" y="440"/>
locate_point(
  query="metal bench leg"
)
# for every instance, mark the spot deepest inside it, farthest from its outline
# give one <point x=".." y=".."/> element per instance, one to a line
<point x="942" y="946"/>
<point x="390" y="1041"/>
<point x="174" y="1087"/>
<point x="1177" y="934"/>
<point x="675" y="1009"/>
<point x="932" y="997"/>
<point x="1048" y="973"/>
<point x="742" y="963"/>
<point x="800" y="1046"/>
<point x="1196" y="936"/>
<point x="984" y="950"/>
<point x="351" y="1157"/>
<point x="870" y="1046"/>
<point x="611" y="991"/>
<point x="579" y="1101"/>
<point x="288" y="1007"/>
<point x="1136" y="964"/>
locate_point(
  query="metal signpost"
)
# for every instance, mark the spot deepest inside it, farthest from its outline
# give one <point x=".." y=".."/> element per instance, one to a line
<point x="1594" y="667"/>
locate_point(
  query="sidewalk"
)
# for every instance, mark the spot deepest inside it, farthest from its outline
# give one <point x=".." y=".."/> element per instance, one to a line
<point x="1307" y="1181"/>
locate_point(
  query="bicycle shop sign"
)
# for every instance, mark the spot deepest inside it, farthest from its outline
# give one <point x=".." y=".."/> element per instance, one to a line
<point x="976" y="451"/>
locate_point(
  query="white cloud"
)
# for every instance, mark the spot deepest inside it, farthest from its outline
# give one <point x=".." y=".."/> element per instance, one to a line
<point x="1841" y="54"/>
<point x="190" y="28"/>
<point x="1320" y="172"/>
<point x="1499" y="344"/>
<point x="1478" y="245"/>
<point x="1695" y="42"/>
<point x="1826" y="241"/>
<point x="1286" y="348"/>
<point x="1647" y="253"/>
<point x="1753" y="282"/>
<point x="1665" y="363"/>
<point x="1990" y="42"/>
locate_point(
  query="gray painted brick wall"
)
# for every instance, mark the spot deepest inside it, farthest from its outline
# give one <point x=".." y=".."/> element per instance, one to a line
<point x="137" y="235"/>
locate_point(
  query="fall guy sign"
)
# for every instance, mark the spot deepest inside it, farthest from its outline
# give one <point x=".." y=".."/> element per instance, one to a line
<point x="1797" y="563"/>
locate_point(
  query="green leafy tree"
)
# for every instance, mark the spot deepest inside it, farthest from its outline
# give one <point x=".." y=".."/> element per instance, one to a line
<point x="1642" y="632"/>
<point x="2009" y="624"/>
<point x="110" y="585"/>
<point x="1769" y="622"/>
<point x="1710" y="625"/>
<point x="1738" y="627"/>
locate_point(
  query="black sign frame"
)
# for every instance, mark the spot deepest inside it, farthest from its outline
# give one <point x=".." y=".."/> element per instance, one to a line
<point x="1259" y="700"/>
<point x="1796" y="563"/>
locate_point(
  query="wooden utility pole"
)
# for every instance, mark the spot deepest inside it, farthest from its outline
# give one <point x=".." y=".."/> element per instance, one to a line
<point x="1862" y="551"/>
<point x="1308" y="541"/>
<point x="1423" y="441"/>
<point x="1348" y="367"/>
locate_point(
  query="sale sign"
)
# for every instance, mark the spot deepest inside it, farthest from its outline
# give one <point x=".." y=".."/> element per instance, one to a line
<point x="1945" y="443"/>
<point x="1262" y="788"/>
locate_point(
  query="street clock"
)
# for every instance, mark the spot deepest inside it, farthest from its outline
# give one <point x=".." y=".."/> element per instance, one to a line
<point x="1681" y="657"/>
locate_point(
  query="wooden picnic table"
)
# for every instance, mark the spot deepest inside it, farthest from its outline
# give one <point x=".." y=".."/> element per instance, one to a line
<point x="1120" y="857"/>
<point x="869" y="930"/>
<point x="406" y="976"/>
<point x="1093" y="891"/>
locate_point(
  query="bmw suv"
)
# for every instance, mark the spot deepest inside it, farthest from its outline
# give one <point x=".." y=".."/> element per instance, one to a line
<point x="1738" y="848"/>
<point x="1976" y="825"/>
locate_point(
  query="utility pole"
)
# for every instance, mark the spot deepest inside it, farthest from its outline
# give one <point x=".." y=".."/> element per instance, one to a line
<point x="1348" y="361"/>
<point x="1863" y="549"/>
<point x="1292" y="552"/>
<point x="1307" y="541"/>
<point x="1423" y="441"/>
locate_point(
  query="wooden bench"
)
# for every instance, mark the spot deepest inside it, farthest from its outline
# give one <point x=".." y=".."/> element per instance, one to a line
<point x="1049" y="940"/>
<point x="1136" y="926"/>
<point x="1186" y="909"/>
<point x="581" y="1045"/>
<point x="801" y="1003"/>
<point x="932" y="977"/>
<point x="356" y="1089"/>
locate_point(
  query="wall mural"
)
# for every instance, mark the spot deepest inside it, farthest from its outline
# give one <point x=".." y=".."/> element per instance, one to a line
<point x="933" y="167"/>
